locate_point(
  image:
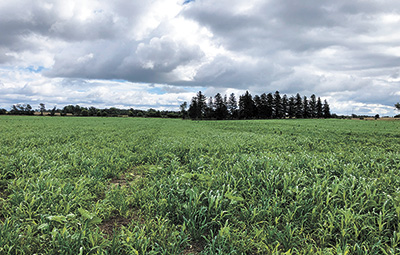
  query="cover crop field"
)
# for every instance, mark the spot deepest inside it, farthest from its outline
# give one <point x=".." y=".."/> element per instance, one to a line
<point x="78" y="185"/>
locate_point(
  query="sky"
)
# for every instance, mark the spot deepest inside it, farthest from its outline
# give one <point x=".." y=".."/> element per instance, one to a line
<point x="159" y="53"/>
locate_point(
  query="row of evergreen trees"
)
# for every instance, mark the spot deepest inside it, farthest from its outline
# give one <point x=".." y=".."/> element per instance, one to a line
<point x="265" y="106"/>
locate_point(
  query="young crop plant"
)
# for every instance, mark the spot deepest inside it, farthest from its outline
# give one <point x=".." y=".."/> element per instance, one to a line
<point x="171" y="186"/>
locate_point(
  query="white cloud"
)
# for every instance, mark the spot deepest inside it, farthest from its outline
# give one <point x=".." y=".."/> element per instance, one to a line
<point x="345" y="51"/>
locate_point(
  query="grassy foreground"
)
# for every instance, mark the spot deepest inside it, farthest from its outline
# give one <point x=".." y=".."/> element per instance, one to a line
<point x="164" y="186"/>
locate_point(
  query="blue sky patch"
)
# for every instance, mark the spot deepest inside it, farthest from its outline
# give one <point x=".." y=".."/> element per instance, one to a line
<point x="32" y="69"/>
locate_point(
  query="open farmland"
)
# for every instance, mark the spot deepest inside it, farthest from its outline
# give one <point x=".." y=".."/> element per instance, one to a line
<point x="162" y="186"/>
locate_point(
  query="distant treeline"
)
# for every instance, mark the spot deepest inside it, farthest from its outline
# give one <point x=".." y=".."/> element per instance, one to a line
<point x="76" y="110"/>
<point x="265" y="106"/>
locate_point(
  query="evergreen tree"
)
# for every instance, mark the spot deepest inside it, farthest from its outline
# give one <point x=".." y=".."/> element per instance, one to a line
<point x="277" y="107"/>
<point x="226" y="105"/>
<point x="326" y="109"/>
<point x="263" y="109"/>
<point x="193" y="109"/>
<point x="232" y="106"/>
<point x="221" y="111"/>
<point x="298" y="107"/>
<point x="201" y="105"/>
<point x="257" y="107"/>
<point x="284" y="106"/>
<point x="270" y="105"/>
<point x="313" y="106"/>
<point x="246" y="106"/>
<point x="210" y="109"/>
<point x="319" y="108"/>
<point x="291" y="107"/>
<point x="306" y="108"/>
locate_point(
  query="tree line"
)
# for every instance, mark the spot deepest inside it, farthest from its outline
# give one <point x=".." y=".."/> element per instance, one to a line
<point x="76" y="110"/>
<point x="265" y="106"/>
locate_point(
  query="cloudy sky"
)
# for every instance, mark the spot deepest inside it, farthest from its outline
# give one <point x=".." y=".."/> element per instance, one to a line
<point x="159" y="53"/>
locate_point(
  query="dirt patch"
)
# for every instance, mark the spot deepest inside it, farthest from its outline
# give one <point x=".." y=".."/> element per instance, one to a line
<point x="113" y="224"/>
<point x="115" y="182"/>
<point x="116" y="222"/>
<point x="125" y="179"/>
<point x="196" y="247"/>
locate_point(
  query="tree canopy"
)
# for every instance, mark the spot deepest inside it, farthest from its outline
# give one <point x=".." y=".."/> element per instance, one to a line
<point x="265" y="106"/>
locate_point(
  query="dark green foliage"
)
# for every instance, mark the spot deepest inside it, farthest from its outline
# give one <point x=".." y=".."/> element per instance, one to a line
<point x="278" y="111"/>
<point x="313" y="106"/>
<point x="183" y="107"/>
<point x="21" y="109"/>
<point x="298" y="107"/>
<point x="306" y="108"/>
<point x="320" y="112"/>
<point x="42" y="108"/>
<point x="326" y="110"/>
<point x="285" y="104"/>
<point x="266" y="106"/>
<point x="198" y="107"/>
<point x="246" y="106"/>
<point x="291" y="110"/>
<point x="232" y="106"/>
<point x="270" y="106"/>
<point x="221" y="110"/>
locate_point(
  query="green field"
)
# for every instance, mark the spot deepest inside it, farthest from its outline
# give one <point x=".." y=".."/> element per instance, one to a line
<point x="75" y="185"/>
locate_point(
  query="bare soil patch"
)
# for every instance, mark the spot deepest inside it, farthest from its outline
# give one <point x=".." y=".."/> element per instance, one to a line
<point x="113" y="224"/>
<point x="125" y="179"/>
<point x="118" y="182"/>
<point x="196" y="247"/>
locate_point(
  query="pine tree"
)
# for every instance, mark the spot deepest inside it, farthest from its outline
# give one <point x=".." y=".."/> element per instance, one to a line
<point x="270" y="105"/>
<point x="201" y="105"/>
<point x="263" y="106"/>
<point x="277" y="112"/>
<point x="284" y="106"/>
<point x="291" y="107"/>
<point x="298" y="107"/>
<point x="246" y="106"/>
<point x="193" y="111"/>
<point x="197" y="108"/>
<point x="257" y="107"/>
<point x="221" y="111"/>
<point x="319" y="108"/>
<point x="326" y="109"/>
<point x="232" y="106"/>
<point x="313" y="106"/>
<point x="210" y="109"/>
<point x="306" y="108"/>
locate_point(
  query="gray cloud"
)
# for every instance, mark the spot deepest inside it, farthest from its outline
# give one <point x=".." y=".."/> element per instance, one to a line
<point x="343" y="50"/>
<point x="153" y="61"/>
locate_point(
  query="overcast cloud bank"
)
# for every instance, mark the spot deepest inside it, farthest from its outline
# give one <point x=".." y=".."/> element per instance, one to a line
<point x="144" y="54"/>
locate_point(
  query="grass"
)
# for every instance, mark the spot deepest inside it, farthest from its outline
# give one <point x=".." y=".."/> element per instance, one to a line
<point x="163" y="186"/>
